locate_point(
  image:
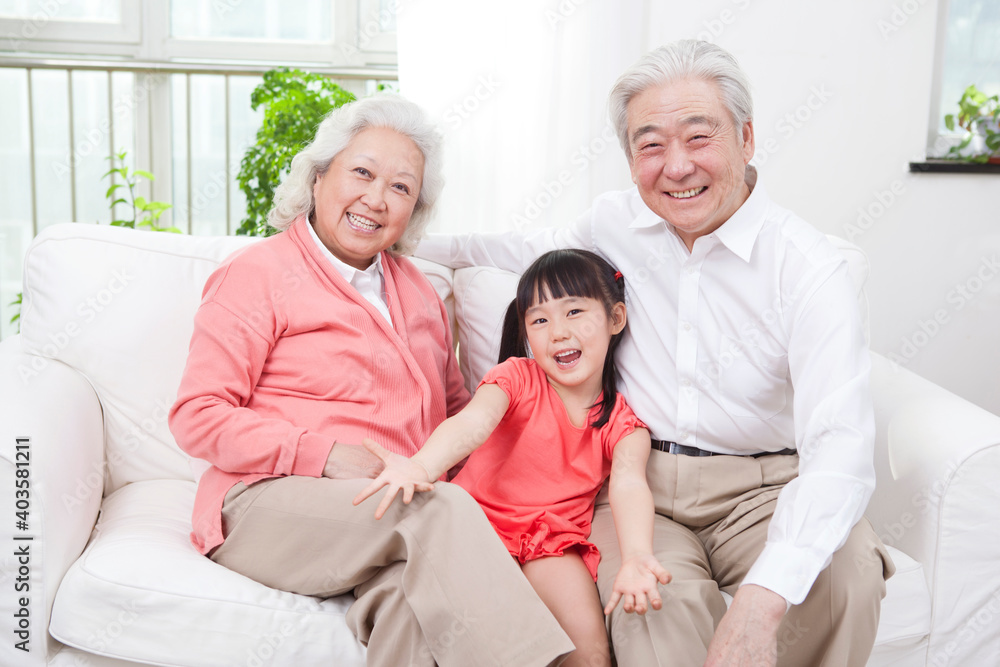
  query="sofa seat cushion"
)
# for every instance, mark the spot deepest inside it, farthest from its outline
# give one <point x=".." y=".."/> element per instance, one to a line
<point x="140" y="580"/>
<point x="905" y="623"/>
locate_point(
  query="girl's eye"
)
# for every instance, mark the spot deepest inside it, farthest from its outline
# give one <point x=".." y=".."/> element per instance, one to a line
<point x="576" y="311"/>
<point x="540" y="320"/>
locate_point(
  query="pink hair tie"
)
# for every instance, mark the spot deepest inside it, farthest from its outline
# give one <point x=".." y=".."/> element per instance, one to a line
<point x="618" y="275"/>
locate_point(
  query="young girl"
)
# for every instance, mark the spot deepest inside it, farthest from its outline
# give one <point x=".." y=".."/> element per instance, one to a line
<point x="544" y="433"/>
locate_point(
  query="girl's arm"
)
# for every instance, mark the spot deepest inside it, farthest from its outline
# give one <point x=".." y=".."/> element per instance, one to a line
<point x="452" y="441"/>
<point x="632" y="509"/>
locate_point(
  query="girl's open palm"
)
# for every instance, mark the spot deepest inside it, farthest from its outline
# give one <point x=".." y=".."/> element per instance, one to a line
<point x="400" y="473"/>
<point x="636" y="582"/>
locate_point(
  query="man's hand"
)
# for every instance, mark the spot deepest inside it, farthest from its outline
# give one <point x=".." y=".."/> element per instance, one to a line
<point x="352" y="462"/>
<point x="747" y="636"/>
<point x="400" y="474"/>
<point x="636" y="581"/>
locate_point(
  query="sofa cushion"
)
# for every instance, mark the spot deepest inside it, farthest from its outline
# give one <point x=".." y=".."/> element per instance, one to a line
<point x="140" y="580"/>
<point x="905" y="621"/>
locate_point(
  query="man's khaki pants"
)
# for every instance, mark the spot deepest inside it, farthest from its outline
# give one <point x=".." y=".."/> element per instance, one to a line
<point x="434" y="584"/>
<point x="711" y="521"/>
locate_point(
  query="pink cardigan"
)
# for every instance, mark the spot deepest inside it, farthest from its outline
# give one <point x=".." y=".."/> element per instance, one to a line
<point x="286" y="357"/>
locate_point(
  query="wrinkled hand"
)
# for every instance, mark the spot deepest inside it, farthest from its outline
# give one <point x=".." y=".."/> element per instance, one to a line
<point x="352" y="462"/>
<point x="636" y="581"/>
<point x="400" y="474"/>
<point x="747" y="636"/>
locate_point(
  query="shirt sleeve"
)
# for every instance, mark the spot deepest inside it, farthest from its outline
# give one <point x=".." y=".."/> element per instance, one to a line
<point x="210" y="419"/>
<point x="829" y="366"/>
<point x="510" y="251"/>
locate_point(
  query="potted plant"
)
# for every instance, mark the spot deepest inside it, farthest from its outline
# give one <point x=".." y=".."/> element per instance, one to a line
<point x="979" y="115"/>
<point x="295" y="103"/>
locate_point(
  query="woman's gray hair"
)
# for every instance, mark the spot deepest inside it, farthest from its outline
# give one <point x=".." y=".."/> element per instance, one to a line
<point x="294" y="197"/>
<point x="683" y="59"/>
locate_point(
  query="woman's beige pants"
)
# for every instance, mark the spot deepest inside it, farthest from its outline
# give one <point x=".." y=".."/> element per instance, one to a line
<point x="434" y="584"/>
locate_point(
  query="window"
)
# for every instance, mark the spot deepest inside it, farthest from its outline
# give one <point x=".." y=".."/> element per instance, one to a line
<point x="168" y="82"/>
<point x="968" y="52"/>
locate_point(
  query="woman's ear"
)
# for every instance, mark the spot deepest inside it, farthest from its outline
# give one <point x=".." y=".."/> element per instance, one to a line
<point x="619" y="316"/>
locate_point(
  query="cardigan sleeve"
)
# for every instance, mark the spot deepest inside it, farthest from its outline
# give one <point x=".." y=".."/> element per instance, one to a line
<point x="210" y="419"/>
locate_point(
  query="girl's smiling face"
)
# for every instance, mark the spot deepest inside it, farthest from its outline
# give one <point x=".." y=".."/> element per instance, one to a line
<point x="569" y="338"/>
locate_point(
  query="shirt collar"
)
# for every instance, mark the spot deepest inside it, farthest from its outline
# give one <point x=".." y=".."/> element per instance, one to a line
<point x="739" y="233"/>
<point x="346" y="271"/>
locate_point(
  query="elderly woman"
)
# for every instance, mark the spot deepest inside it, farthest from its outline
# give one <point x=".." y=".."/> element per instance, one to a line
<point x="313" y="340"/>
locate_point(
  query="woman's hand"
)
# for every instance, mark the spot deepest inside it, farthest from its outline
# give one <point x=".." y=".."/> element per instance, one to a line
<point x="352" y="462"/>
<point x="636" y="581"/>
<point x="400" y="473"/>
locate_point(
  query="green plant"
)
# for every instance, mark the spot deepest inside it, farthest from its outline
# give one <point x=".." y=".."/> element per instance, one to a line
<point x="151" y="210"/>
<point x="979" y="115"/>
<point x="16" y="303"/>
<point x="295" y="103"/>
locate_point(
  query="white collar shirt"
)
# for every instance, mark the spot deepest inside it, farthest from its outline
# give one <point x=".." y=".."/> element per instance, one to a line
<point x="750" y="342"/>
<point x="369" y="283"/>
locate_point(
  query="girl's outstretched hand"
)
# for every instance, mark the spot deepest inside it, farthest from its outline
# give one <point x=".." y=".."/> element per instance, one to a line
<point x="636" y="581"/>
<point x="400" y="473"/>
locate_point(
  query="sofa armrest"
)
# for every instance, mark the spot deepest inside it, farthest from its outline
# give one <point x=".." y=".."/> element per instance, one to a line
<point x="937" y="498"/>
<point x="51" y="424"/>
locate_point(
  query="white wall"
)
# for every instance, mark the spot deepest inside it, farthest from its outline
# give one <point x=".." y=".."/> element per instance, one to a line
<point x="842" y="93"/>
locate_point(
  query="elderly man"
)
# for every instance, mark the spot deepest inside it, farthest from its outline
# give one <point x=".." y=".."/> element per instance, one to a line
<point x="746" y="358"/>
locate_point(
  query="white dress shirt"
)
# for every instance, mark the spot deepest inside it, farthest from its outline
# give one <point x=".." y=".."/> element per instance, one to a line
<point x="370" y="283"/>
<point x="751" y="342"/>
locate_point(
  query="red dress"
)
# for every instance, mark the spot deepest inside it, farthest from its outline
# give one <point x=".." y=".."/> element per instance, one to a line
<point x="537" y="475"/>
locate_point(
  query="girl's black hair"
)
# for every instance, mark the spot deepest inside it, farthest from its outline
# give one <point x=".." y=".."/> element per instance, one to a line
<point x="557" y="274"/>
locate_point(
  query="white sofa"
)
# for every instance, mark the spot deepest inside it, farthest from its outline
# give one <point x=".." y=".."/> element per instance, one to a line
<point x="110" y="576"/>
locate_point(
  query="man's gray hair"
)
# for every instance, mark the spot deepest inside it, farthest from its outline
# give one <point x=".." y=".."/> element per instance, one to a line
<point x="294" y="197"/>
<point x="683" y="59"/>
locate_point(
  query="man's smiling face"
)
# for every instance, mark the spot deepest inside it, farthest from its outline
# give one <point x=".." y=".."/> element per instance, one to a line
<point x="687" y="156"/>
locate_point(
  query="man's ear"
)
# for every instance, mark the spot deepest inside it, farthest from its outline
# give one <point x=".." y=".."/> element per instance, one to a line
<point x="619" y="316"/>
<point x="748" y="141"/>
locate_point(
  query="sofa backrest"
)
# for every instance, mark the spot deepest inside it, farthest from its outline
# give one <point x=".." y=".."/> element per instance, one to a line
<point x="118" y="306"/>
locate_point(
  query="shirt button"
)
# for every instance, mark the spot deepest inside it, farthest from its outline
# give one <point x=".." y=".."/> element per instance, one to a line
<point x="686" y="326"/>
<point x="686" y="383"/>
<point x="683" y="435"/>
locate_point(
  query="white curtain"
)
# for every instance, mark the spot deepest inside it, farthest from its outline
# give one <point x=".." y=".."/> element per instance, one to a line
<point x="520" y="89"/>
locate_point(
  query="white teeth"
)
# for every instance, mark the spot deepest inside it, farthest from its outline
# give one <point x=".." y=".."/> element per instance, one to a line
<point x="685" y="194"/>
<point x="364" y="223"/>
<point x="566" y="353"/>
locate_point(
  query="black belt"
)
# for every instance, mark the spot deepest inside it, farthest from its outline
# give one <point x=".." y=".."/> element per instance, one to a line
<point x="687" y="450"/>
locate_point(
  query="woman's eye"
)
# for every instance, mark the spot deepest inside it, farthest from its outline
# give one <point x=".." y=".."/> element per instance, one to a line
<point x="402" y="188"/>
<point x="362" y="171"/>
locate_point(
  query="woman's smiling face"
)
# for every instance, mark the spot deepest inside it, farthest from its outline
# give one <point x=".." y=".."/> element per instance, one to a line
<point x="364" y="201"/>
